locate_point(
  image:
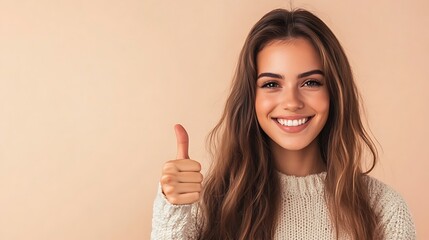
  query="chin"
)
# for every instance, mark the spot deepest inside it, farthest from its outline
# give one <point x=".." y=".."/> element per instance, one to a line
<point x="294" y="146"/>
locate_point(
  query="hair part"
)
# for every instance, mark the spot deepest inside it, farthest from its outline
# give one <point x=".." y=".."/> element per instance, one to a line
<point x="241" y="197"/>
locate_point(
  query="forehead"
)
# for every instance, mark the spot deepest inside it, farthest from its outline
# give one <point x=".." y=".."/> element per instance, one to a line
<point x="288" y="56"/>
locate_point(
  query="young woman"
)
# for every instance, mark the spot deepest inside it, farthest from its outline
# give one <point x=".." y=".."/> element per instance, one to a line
<point x="287" y="150"/>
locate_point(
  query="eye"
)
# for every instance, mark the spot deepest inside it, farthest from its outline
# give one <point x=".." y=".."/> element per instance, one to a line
<point x="312" y="83"/>
<point x="270" y="85"/>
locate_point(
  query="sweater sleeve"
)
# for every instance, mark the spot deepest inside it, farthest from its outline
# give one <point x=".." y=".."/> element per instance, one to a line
<point x="169" y="221"/>
<point x="396" y="218"/>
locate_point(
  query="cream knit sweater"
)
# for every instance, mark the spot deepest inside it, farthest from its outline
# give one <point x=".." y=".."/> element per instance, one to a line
<point x="304" y="214"/>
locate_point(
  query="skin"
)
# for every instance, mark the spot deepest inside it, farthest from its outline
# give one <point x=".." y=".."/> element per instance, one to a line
<point x="292" y="90"/>
<point x="181" y="178"/>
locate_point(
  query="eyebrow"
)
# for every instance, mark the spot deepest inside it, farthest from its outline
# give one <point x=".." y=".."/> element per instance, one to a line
<point x="301" y="75"/>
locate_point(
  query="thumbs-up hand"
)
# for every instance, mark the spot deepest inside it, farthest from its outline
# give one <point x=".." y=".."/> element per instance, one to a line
<point x="181" y="178"/>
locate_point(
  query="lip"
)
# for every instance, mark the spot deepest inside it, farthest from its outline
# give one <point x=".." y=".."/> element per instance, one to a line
<point x="293" y="129"/>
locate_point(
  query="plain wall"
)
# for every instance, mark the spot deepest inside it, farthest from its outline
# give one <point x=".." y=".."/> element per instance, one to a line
<point x="90" y="91"/>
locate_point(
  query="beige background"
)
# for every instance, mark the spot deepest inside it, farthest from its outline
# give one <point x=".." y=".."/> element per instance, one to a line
<point x="90" y="91"/>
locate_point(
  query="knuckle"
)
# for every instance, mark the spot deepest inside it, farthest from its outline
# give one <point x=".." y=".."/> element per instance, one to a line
<point x="167" y="179"/>
<point x="168" y="190"/>
<point x="169" y="166"/>
<point x="174" y="200"/>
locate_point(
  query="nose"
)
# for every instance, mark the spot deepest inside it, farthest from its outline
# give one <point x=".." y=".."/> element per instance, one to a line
<point x="291" y="100"/>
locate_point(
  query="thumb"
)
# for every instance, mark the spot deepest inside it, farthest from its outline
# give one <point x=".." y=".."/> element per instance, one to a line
<point x="182" y="142"/>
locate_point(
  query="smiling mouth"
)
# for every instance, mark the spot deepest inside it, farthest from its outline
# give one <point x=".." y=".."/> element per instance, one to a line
<point x="293" y="123"/>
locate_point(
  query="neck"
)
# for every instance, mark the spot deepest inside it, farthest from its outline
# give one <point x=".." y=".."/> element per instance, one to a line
<point x="301" y="162"/>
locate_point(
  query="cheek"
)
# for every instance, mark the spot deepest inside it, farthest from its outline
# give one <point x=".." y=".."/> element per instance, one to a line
<point x="320" y="102"/>
<point x="324" y="109"/>
<point x="325" y="101"/>
<point x="263" y="104"/>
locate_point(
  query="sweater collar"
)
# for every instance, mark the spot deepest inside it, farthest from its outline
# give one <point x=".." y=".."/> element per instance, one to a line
<point x="310" y="184"/>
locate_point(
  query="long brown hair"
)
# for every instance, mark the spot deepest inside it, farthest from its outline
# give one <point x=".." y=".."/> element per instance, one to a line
<point x="241" y="196"/>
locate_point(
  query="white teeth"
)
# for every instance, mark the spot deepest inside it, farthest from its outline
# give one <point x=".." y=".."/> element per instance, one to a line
<point x="292" y="123"/>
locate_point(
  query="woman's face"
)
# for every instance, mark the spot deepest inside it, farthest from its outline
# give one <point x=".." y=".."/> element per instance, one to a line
<point x="292" y="100"/>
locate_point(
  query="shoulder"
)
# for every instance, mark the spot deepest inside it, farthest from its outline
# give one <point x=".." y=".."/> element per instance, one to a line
<point x="380" y="192"/>
<point x="383" y="198"/>
<point x="392" y="210"/>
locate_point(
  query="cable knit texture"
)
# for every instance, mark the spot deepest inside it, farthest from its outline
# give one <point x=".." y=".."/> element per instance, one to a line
<point x="304" y="214"/>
